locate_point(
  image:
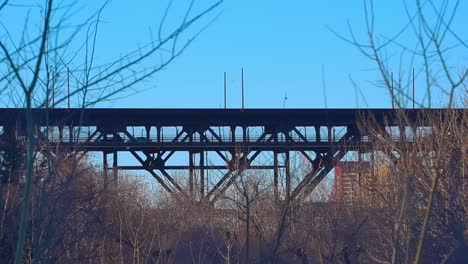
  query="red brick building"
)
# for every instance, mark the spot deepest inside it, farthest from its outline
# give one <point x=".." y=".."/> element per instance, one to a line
<point x="350" y="177"/>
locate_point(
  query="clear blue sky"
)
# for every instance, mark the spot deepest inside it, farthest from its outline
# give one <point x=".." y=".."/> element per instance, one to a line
<point x="282" y="46"/>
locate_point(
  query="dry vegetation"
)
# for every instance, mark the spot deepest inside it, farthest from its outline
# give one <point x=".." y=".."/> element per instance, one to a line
<point x="73" y="219"/>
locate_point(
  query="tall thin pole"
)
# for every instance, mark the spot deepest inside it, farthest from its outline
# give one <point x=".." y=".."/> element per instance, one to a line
<point x="242" y="76"/>
<point x="413" y="89"/>
<point x="225" y="90"/>
<point x="393" y="95"/>
<point x="284" y="100"/>
<point x="68" y="82"/>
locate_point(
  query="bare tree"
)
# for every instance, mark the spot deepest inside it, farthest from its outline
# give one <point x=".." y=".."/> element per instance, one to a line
<point x="47" y="57"/>
<point x="426" y="43"/>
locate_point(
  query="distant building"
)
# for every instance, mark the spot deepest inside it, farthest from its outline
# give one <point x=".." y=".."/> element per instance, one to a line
<point x="356" y="182"/>
<point x="351" y="180"/>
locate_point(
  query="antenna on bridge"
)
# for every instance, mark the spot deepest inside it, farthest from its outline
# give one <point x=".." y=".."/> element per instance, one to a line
<point x="284" y="100"/>
<point x="242" y="77"/>
<point x="225" y="89"/>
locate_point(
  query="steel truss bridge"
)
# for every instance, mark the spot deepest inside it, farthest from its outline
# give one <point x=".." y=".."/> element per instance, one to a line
<point x="236" y="137"/>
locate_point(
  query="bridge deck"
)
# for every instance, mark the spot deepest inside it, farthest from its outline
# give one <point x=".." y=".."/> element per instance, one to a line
<point x="235" y="137"/>
<point x="213" y="117"/>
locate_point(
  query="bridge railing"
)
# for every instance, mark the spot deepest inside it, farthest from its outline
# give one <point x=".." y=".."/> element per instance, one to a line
<point x="172" y="138"/>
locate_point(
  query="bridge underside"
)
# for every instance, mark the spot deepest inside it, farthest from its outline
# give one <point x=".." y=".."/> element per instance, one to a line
<point x="183" y="148"/>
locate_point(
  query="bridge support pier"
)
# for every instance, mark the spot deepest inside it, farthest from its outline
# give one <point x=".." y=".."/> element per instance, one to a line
<point x="115" y="169"/>
<point x="288" y="176"/>
<point x="191" y="174"/>
<point x="106" y="167"/>
<point x="202" y="176"/>
<point x="275" y="175"/>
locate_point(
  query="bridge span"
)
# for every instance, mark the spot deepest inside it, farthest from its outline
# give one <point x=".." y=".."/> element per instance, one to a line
<point x="237" y="137"/>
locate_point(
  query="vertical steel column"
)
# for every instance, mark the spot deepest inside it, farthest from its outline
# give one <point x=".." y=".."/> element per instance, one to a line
<point x="233" y="134"/>
<point x="148" y="129"/>
<point x="191" y="173"/>
<point x="115" y="168"/>
<point x="202" y="176"/>
<point x="317" y="133"/>
<point x="275" y="174"/>
<point x="158" y="134"/>
<point x="70" y="132"/>
<point x="288" y="176"/>
<point x="106" y="166"/>
<point x="61" y="133"/>
<point x="244" y="134"/>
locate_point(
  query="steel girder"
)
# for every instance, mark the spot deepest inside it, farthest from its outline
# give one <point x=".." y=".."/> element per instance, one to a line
<point x="282" y="131"/>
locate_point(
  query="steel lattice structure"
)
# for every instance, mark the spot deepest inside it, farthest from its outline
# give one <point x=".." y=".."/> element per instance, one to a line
<point x="236" y="136"/>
